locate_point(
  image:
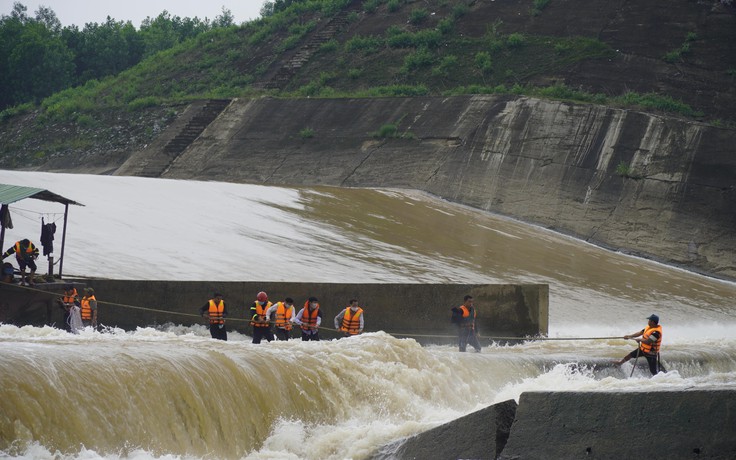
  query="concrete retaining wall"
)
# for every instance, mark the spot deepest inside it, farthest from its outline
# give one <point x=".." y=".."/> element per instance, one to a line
<point x="697" y="424"/>
<point x="651" y="185"/>
<point x="507" y="310"/>
<point x="480" y="435"/>
<point x="672" y="425"/>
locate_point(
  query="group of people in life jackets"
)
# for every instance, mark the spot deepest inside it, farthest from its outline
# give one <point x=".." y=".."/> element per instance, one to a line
<point x="264" y="314"/>
<point x="78" y="313"/>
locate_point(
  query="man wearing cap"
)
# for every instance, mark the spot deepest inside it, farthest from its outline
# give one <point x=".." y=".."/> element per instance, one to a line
<point x="651" y="339"/>
<point x="309" y="319"/>
<point x="259" y="318"/>
<point x="216" y="311"/>
<point x="89" y="308"/>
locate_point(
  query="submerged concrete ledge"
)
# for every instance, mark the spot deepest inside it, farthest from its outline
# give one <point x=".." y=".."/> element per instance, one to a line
<point x="690" y="424"/>
<point x="421" y="311"/>
<point x="654" y="425"/>
<point x="480" y="435"/>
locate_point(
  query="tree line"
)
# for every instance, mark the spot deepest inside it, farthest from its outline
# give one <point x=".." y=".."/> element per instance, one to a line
<point x="39" y="57"/>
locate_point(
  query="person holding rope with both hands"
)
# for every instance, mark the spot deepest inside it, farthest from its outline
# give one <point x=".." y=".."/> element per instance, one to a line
<point x="649" y="343"/>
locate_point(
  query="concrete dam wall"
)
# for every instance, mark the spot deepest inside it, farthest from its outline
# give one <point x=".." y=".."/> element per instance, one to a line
<point x="601" y="425"/>
<point x="655" y="186"/>
<point x="401" y="309"/>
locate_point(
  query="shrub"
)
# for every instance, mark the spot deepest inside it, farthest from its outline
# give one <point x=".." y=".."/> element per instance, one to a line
<point x="371" y="5"/>
<point x="328" y="47"/>
<point x="419" y="58"/>
<point x="445" y="67"/>
<point x="387" y="130"/>
<point x="143" y="102"/>
<point x="364" y="44"/>
<point x="418" y="16"/>
<point x="459" y="10"/>
<point x="483" y="62"/>
<point x="516" y="39"/>
<point x="623" y="169"/>
<point x="393" y="5"/>
<point x="445" y="26"/>
<point x="306" y="133"/>
<point x="355" y="73"/>
<point x="538" y="6"/>
<point x="85" y="121"/>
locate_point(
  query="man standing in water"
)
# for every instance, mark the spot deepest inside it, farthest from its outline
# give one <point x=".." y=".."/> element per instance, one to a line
<point x="216" y="311"/>
<point x="88" y="308"/>
<point x="309" y="318"/>
<point x="350" y="320"/>
<point x="651" y="339"/>
<point x="259" y="319"/>
<point x="464" y="317"/>
<point x="284" y="312"/>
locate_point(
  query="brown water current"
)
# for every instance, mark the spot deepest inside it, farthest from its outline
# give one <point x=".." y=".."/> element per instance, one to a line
<point x="587" y="283"/>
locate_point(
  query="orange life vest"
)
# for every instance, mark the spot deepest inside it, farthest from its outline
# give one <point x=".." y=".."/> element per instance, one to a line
<point x="217" y="311"/>
<point x="30" y="250"/>
<point x="351" y="321"/>
<point x="283" y="316"/>
<point x="651" y="348"/>
<point x="309" y="320"/>
<point x="260" y="311"/>
<point x="70" y="298"/>
<point x="466" y="314"/>
<point x="86" y="309"/>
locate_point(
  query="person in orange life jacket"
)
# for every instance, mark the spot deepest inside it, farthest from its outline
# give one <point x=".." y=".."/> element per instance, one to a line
<point x="89" y="308"/>
<point x="284" y="313"/>
<point x="309" y="318"/>
<point x="465" y="314"/>
<point x="259" y="318"/>
<point x="69" y="299"/>
<point x="25" y="254"/>
<point x="350" y="320"/>
<point x="651" y="339"/>
<point x="215" y="311"/>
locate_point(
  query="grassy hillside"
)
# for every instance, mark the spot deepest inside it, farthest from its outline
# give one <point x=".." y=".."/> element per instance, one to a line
<point x="678" y="57"/>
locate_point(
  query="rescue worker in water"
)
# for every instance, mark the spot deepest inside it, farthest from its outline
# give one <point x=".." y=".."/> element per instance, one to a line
<point x="259" y="318"/>
<point x="284" y="313"/>
<point x="350" y="320"/>
<point x="465" y="319"/>
<point x="216" y="311"/>
<point x="649" y="343"/>
<point x="309" y="319"/>
<point x="88" y="308"/>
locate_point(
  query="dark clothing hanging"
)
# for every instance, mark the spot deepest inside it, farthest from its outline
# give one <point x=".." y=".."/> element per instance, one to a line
<point x="47" y="237"/>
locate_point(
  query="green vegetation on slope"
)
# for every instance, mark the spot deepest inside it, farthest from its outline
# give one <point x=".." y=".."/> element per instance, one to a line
<point x="380" y="48"/>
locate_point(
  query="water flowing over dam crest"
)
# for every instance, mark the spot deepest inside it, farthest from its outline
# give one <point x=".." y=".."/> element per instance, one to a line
<point x="170" y="391"/>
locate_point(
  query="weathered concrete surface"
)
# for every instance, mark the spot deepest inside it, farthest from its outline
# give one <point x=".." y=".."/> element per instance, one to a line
<point x="480" y="435"/>
<point x="401" y="309"/>
<point x="36" y="306"/>
<point x="655" y="186"/>
<point x="697" y="424"/>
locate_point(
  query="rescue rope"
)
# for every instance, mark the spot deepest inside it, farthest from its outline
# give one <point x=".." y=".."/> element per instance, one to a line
<point x="400" y="334"/>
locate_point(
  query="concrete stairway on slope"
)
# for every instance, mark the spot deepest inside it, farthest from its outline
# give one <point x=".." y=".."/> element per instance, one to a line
<point x="155" y="159"/>
<point x="287" y="71"/>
